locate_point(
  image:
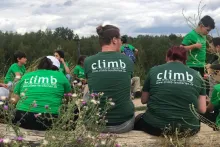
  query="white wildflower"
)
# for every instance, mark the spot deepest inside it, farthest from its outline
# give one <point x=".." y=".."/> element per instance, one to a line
<point x="6" y="140"/>
<point x="97" y="122"/>
<point x="97" y="102"/>
<point x="112" y="103"/>
<point x="22" y="94"/>
<point x="3" y="98"/>
<point x="53" y="137"/>
<point x="93" y="101"/>
<point x="79" y="84"/>
<point x="74" y="95"/>
<point x="101" y="93"/>
<point x="1" y="103"/>
<point x="75" y="82"/>
<point x="103" y="142"/>
<point x="45" y="142"/>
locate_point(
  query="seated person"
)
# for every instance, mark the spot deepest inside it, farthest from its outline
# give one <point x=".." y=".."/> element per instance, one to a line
<point x="110" y="72"/>
<point x="78" y="70"/>
<point x="170" y="91"/>
<point x="16" y="70"/>
<point x="136" y="87"/>
<point x="64" y="66"/>
<point x="40" y="91"/>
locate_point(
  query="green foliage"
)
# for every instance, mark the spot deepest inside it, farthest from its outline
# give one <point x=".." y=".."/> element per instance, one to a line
<point x="41" y="43"/>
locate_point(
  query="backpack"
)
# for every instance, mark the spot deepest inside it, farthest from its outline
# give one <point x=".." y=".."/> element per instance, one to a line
<point x="128" y="52"/>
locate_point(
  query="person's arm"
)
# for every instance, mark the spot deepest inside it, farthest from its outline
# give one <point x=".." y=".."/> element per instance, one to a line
<point x="16" y="93"/>
<point x="3" y="85"/>
<point x="146" y="90"/>
<point x="144" y="97"/>
<point x="190" y="42"/>
<point x="214" y="103"/>
<point x="65" y="66"/>
<point x="202" y="103"/>
<point x="193" y="46"/>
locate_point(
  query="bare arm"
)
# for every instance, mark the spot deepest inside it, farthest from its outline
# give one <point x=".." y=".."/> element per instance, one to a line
<point x="65" y="66"/>
<point x="144" y="97"/>
<point x="193" y="46"/>
<point x="202" y="103"/>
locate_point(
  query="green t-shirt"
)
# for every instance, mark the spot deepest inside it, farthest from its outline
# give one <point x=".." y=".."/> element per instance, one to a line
<point x="62" y="69"/>
<point x="215" y="100"/>
<point x="196" y="57"/>
<point x="110" y="73"/>
<point x="79" y="71"/>
<point x="173" y="87"/>
<point x="46" y="87"/>
<point x="14" y="68"/>
<point x="129" y="46"/>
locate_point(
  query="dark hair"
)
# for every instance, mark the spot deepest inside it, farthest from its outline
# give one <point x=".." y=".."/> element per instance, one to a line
<point x="207" y="21"/>
<point x="107" y="33"/>
<point x="216" y="41"/>
<point x="19" y="55"/>
<point x="47" y="64"/>
<point x="81" y="58"/>
<point x="124" y="39"/>
<point x="177" y="53"/>
<point x="60" y="52"/>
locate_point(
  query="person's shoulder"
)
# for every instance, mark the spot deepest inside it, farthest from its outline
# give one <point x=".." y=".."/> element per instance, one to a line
<point x="88" y="59"/>
<point x="14" y="65"/>
<point x="217" y="87"/>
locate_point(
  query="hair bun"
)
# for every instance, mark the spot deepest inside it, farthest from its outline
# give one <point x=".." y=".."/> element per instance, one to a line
<point x="99" y="30"/>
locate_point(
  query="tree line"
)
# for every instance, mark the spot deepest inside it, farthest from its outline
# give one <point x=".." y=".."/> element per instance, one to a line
<point x="152" y="49"/>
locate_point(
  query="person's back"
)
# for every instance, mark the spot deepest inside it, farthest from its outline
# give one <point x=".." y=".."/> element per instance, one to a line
<point x="110" y="73"/>
<point x="39" y="92"/>
<point x="175" y="92"/>
<point x="46" y="87"/>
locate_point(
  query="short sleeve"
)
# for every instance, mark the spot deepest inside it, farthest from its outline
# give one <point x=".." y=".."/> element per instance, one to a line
<point x="146" y="87"/>
<point x="203" y="88"/>
<point x="132" y="47"/>
<point x="17" y="88"/>
<point x="67" y="86"/>
<point x="15" y="69"/>
<point x="215" y="99"/>
<point x="76" y="71"/>
<point x="188" y="40"/>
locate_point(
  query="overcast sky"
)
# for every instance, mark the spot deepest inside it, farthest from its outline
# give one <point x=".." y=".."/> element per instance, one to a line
<point x="133" y="17"/>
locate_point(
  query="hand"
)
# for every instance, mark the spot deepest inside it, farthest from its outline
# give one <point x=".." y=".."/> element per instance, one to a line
<point x="198" y="45"/>
<point x="62" y="60"/>
<point x="3" y="85"/>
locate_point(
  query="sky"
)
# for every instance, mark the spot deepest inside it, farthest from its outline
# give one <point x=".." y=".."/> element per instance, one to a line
<point x="133" y="17"/>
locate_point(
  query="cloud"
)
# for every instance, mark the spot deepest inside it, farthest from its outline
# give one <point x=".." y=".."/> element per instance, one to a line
<point x="133" y="17"/>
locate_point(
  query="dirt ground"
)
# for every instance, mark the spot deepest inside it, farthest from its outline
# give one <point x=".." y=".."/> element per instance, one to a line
<point x="205" y="138"/>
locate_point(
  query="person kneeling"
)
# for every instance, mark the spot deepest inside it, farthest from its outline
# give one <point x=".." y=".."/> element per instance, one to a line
<point x="172" y="92"/>
<point x="40" y="93"/>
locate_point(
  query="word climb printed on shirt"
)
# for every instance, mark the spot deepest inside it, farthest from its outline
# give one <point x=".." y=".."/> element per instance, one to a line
<point x="108" y="66"/>
<point x="170" y="77"/>
<point x="36" y="81"/>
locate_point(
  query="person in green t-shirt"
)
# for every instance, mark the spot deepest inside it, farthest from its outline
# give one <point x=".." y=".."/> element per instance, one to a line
<point x="16" y="70"/>
<point x="64" y="66"/>
<point x="78" y="70"/>
<point x="172" y="92"/>
<point x="40" y="92"/>
<point x="195" y="43"/>
<point x="110" y="72"/>
<point x="132" y="54"/>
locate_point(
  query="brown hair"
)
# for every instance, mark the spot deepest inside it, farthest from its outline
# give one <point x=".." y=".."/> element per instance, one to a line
<point x="177" y="53"/>
<point x="107" y="33"/>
